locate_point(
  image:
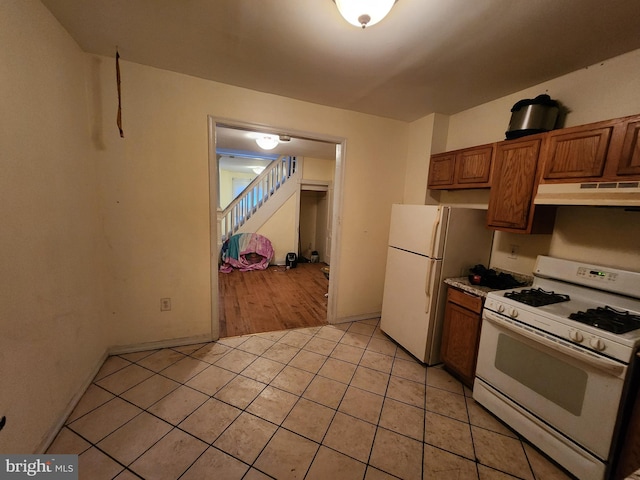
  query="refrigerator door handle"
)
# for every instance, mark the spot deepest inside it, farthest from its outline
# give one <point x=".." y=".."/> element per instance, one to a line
<point x="428" y="286"/>
<point x="434" y="235"/>
<point x="429" y="283"/>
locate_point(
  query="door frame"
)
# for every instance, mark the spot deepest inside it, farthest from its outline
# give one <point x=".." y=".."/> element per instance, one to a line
<point x="336" y="212"/>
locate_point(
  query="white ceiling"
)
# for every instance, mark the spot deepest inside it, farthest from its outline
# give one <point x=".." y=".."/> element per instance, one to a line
<point x="427" y="56"/>
<point x="239" y="152"/>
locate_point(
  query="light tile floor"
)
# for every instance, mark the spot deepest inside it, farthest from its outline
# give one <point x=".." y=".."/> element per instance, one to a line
<point x="333" y="402"/>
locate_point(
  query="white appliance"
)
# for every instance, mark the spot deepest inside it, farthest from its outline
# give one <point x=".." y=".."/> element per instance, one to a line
<point x="428" y="243"/>
<point x="555" y="360"/>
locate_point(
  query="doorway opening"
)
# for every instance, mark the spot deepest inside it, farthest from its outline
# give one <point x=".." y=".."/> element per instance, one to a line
<point x="305" y="221"/>
<point x="315" y="237"/>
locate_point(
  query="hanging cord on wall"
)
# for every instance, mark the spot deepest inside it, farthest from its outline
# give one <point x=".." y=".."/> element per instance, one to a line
<point x="119" y="118"/>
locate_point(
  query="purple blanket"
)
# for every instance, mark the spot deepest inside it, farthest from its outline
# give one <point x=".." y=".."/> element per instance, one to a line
<point x="246" y="251"/>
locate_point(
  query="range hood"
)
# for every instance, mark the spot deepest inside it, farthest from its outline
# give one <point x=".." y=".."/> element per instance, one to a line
<point x="615" y="194"/>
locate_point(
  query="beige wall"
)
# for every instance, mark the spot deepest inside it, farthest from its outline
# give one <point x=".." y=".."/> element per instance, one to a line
<point x="318" y="169"/>
<point x="606" y="90"/>
<point x="604" y="236"/>
<point x="599" y="92"/>
<point x="98" y="228"/>
<point x="426" y="136"/>
<point x="421" y="143"/>
<point x="54" y="325"/>
<point x="225" y="180"/>
<point x="102" y="227"/>
<point x="156" y="194"/>
<point x="281" y="230"/>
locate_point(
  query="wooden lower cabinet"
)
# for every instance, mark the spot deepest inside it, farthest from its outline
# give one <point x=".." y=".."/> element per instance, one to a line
<point x="628" y="450"/>
<point x="461" y="334"/>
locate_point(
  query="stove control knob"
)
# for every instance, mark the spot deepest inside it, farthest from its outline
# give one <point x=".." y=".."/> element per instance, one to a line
<point x="597" y="343"/>
<point x="514" y="313"/>
<point x="576" y="336"/>
<point x="500" y="308"/>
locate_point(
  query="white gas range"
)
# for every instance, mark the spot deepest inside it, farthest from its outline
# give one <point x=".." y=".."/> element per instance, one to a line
<point x="555" y="359"/>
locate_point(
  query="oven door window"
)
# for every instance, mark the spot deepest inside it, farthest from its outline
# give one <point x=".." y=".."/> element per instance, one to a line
<point x="559" y="382"/>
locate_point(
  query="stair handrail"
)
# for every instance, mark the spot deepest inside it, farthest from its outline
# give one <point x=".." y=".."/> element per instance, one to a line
<point x="254" y="195"/>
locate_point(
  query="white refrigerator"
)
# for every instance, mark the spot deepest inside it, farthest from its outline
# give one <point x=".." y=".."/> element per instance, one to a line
<point x="428" y="243"/>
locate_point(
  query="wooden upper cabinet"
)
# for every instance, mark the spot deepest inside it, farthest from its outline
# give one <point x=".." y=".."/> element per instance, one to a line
<point x="629" y="163"/>
<point x="442" y="170"/>
<point x="466" y="168"/>
<point x="580" y="153"/>
<point x="607" y="151"/>
<point x="514" y="185"/>
<point x="473" y="166"/>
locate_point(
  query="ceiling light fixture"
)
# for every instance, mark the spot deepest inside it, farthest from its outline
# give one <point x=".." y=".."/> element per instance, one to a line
<point x="257" y="170"/>
<point x="364" y="13"/>
<point x="267" y="142"/>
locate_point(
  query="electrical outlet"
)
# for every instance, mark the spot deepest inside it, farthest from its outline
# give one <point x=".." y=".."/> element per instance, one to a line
<point x="513" y="254"/>
<point x="165" y="304"/>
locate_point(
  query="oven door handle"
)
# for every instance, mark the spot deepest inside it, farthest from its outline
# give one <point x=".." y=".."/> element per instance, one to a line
<point x="608" y="366"/>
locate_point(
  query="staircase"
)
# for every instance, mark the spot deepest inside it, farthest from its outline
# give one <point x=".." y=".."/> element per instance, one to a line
<point x="255" y="205"/>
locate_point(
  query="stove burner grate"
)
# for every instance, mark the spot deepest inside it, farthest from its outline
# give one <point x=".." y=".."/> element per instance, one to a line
<point x="537" y="297"/>
<point x="608" y="319"/>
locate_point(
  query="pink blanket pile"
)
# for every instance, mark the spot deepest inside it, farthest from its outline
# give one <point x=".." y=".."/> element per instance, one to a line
<point x="246" y="251"/>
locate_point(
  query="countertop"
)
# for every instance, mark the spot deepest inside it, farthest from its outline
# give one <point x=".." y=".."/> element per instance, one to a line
<point x="463" y="283"/>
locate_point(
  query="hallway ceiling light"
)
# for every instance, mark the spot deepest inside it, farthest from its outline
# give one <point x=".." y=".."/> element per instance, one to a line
<point x="267" y="142"/>
<point x="364" y="13"/>
<point x="257" y="170"/>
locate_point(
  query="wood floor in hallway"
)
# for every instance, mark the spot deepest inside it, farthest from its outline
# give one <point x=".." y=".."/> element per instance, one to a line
<point x="273" y="299"/>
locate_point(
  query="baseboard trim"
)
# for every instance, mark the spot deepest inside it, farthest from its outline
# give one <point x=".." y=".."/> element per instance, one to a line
<point x="356" y="318"/>
<point x="173" y="342"/>
<point x="56" y="427"/>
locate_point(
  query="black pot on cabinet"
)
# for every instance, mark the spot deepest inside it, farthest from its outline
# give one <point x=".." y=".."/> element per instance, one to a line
<point x="532" y="116"/>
